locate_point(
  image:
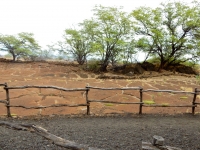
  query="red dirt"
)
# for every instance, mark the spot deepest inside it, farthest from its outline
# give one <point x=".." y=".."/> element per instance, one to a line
<point x="70" y="76"/>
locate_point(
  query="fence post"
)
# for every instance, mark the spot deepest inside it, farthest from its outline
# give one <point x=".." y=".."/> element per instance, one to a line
<point x="87" y="101"/>
<point x="193" y="102"/>
<point x="140" y="108"/>
<point x="8" y="101"/>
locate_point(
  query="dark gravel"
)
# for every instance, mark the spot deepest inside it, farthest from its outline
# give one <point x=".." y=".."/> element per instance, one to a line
<point x="110" y="133"/>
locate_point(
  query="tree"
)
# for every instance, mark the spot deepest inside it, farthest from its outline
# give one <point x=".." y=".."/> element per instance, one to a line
<point x="169" y="32"/>
<point x="109" y="29"/>
<point x="79" y="44"/>
<point x="22" y="45"/>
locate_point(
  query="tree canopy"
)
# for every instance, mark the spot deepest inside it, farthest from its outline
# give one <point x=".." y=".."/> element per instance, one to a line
<point x="106" y="35"/>
<point x="22" y="45"/>
<point x="110" y="30"/>
<point x="169" y="32"/>
<point x="80" y="44"/>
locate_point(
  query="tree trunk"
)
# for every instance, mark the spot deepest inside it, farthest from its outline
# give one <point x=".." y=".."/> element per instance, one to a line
<point x="162" y="64"/>
<point x="14" y="56"/>
<point x="104" y="65"/>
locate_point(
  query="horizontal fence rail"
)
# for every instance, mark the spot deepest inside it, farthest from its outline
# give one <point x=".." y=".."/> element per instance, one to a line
<point x="88" y="101"/>
<point x="115" y="102"/>
<point x="55" y="105"/>
<point x="168" y="91"/>
<point x="2" y="84"/>
<point x="52" y="87"/>
<point x="153" y="105"/>
<point x="114" y="88"/>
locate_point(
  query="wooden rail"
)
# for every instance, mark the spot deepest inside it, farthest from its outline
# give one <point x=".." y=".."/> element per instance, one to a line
<point x="115" y="102"/>
<point x="2" y="84"/>
<point x="52" y="87"/>
<point x="40" y="107"/>
<point x="114" y="88"/>
<point x="88" y="101"/>
<point x="168" y="91"/>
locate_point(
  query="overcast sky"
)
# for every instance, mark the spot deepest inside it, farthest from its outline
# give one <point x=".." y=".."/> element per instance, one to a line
<point x="48" y="19"/>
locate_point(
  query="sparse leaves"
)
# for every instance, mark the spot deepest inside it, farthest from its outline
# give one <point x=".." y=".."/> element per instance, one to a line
<point x="22" y="45"/>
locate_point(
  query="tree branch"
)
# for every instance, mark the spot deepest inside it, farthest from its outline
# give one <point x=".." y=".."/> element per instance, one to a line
<point x="44" y="133"/>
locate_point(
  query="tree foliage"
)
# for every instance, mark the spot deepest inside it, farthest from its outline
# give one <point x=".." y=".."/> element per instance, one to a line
<point x="169" y="32"/>
<point x="109" y="28"/>
<point x="80" y="44"/>
<point x="22" y="45"/>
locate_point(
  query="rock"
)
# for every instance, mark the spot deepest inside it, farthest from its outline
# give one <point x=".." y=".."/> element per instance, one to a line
<point x="139" y="69"/>
<point x="148" y="146"/>
<point x="130" y="73"/>
<point x="157" y="144"/>
<point x="169" y="148"/>
<point x="158" y="140"/>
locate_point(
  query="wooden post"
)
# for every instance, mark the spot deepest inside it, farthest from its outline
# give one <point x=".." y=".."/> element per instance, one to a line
<point x="193" y="102"/>
<point x="88" y="103"/>
<point x="8" y="100"/>
<point x="140" y="108"/>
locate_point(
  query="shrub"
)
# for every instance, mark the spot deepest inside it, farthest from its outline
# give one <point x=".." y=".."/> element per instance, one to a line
<point x="93" y="65"/>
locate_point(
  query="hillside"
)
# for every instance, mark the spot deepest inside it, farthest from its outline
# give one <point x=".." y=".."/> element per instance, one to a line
<point x="71" y="76"/>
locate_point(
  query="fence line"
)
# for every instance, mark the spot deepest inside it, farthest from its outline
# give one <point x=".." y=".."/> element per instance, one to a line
<point x="88" y="101"/>
<point x="2" y="84"/>
<point x="53" y="87"/>
<point x="115" y="102"/>
<point x="114" y="88"/>
<point x="153" y="105"/>
<point x="168" y="91"/>
<point x="55" y="105"/>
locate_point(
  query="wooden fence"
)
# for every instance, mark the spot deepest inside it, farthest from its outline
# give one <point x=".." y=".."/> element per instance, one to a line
<point x="88" y="101"/>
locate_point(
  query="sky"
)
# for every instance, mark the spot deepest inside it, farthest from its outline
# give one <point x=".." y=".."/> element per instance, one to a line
<point x="47" y="19"/>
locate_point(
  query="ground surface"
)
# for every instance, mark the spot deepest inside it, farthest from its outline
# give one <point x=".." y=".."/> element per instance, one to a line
<point x="71" y="76"/>
<point x="110" y="133"/>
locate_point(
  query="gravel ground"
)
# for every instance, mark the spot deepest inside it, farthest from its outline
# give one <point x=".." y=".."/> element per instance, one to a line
<point x="108" y="132"/>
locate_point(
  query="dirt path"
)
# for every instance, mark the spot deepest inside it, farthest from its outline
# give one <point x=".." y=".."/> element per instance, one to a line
<point x="109" y="133"/>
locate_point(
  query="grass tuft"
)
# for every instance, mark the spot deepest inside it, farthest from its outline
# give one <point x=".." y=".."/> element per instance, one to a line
<point x="108" y="104"/>
<point x="183" y="97"/>
<point x="148" y="102"/>
<point x="165" y="104"/>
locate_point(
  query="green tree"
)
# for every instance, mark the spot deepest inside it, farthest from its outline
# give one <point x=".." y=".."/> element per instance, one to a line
<point x="169" y="32"/>
<point x="79" y="45"/>
<point x="22" y="45"/>
<point x="109" y="29"/>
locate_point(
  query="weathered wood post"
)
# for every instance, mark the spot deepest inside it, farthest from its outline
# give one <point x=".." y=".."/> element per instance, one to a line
<point x="87" y="101"/>
<point x="8" y="100"/>
<point x="194" y="100"/>
<point x="141" y="101"/>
